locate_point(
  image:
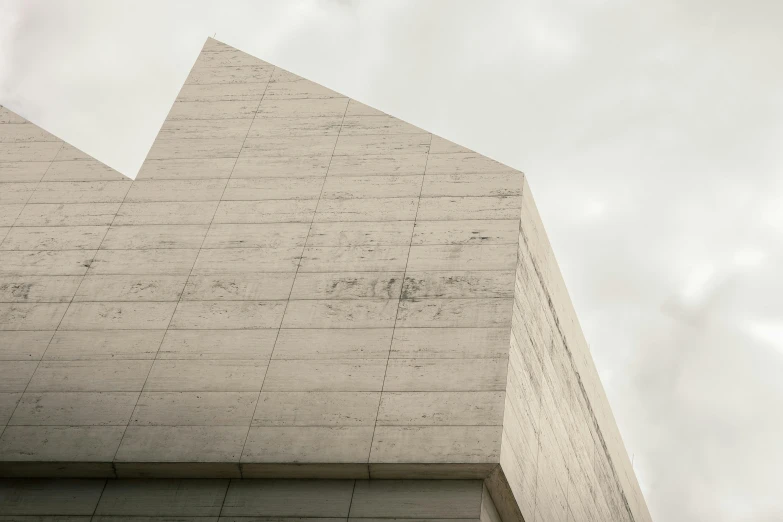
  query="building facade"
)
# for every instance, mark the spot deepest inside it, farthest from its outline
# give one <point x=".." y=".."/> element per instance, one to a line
<point x="301" y="308"/>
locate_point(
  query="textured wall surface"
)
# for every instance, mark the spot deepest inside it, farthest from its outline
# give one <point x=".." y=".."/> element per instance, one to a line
<point x="293" y="277"/>
<point x="273" y="500"/>
<point x="295" y="286"/>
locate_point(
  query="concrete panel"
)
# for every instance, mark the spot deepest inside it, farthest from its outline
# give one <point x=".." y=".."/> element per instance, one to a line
<point x="31" y="316"/>
<point x="249" y="287"/>
<point x="441" y="409"/>
<point x="118" y="316"/>
<point x="9" y="213"/>
<point x="190" y="148"/>
<point x="269" y="127"/>
<point x="464" y="163"/>
<point x="74" y="409"/>
<point x="271" y="211"/>
<point x="145" y="237"/>
<point x="455" y="284"/>
<point x="314" y="444"/>
<point x="166" y="212"/>
<point x="256" y="235"/>
<point x="130" y="288"/>
<point x="462" y="257"/>
<point x="379" y="144"/>
<point x="73" y="214"/>
<point x="16" y="193"/>
<point x="54" y="238"/>
<point x="465" y="313"/>
<point x="176" y="190"/>
<point x="14" y="375"/>
<point x="80" y="192"/>
<point x="302" y="107"/>
<point x="257" y="189"/>
<point x="38" y="289"/>
<point x="343" y="234"/>
<point x="194" y="409"/>
<point x="211" y="110"/>
<point x="407" y="499"/>
<point x="162" y="498"/>
<point x="245" y="260"/>
<point x="8" y="402"/>
<point x="325" y="375"/>
<point x="446" y="375"/>
<point x="202" y="168"/>
<point x="375" y="209"/>
<point x="31" y="151"/>
<point x="95" y="345"/>
<point x="493" y="184"/>
<point x="212" y="375"/>
<point x="182" y="444"/>
<point x="443" y="146"/>
<point x="354" y="259"/>
<point x="288" y="498"/>
<point x="230" y="315"/>
<point x="88" y="170"/>
<point x="70" y="153"/>
<point x="347" y="285"/>
<point x="436" y="444"/>
<point x="469" y="208"/>
<point x="468" y="232"/>
<point x="89" y="375"/>
<point x="230" y="75"/>
<point x="49" y="497"/>
<point x="449" y="343"/>
<point x="319" y="343"/>
<point x="298" y="89"/>
<point x="250" y="166"/>
<point x="60" y="443"/>
<point x="26" y="172"/>
<point x="139" y="262"/>
<point x="378" y="164"/>
<point x="368" y="187"/>
<point x="46" y="262"/>
<point x="24" y="346"/>
<point x="316" y="409"/>
<point x="323" y="313"/>
<point x="218" y="344"/>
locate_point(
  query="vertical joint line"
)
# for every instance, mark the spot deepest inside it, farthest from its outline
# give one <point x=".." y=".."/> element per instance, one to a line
<point x="399" y="299"/>
<point x="296" y="272"/>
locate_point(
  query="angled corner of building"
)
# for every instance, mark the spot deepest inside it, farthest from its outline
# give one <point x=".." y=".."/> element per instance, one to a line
<point x="295" y="287"/>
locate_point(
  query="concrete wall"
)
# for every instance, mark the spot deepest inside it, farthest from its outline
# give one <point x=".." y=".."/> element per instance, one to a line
<point x="293" y="278"/>
<point x="237" y="500"/>
<point x="561" y="454"/>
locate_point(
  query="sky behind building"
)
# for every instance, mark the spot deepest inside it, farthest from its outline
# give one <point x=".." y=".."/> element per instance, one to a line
<point x="649" y="133"/>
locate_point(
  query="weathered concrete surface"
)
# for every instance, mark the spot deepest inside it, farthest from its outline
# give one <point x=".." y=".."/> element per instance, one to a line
<point x="296" y="285"/>
<point x="562" y="457"/>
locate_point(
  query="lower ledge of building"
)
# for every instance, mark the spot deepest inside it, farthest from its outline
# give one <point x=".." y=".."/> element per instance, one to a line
<point x="491" y="472"/>
<point x="19" y="469"/>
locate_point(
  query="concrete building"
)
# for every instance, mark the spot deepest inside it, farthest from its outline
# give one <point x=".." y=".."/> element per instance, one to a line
<point x="312" y="307"/>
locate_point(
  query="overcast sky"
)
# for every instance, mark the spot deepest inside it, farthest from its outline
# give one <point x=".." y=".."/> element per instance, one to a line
<point x="651" y="134"/>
